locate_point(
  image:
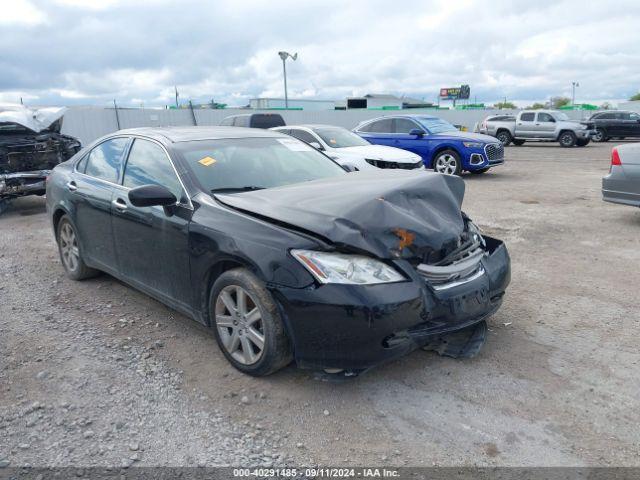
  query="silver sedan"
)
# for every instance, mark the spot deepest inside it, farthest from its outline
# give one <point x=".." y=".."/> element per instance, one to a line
<point x="622" y="185"/>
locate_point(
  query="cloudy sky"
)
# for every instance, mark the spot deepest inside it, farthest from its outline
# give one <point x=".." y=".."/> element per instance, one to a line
<point x="89" y="52"/>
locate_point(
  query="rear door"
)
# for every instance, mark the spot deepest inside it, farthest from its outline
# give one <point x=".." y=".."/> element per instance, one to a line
<point x="152" y="242"/>
<point x="379" y="132"/>
<point x="96" y="177"/>
<point x="545" y="125"/>
<point x="525" y="125"/>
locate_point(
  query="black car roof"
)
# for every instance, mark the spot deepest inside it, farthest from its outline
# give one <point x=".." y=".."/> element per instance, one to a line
<point x="188" y="134"/>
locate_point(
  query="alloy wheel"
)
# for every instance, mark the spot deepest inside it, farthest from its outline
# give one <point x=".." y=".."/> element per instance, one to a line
<point x="69" y="247"/>
<point x="239" y="324"/>
<point x="446" y="163"/>
<point x="598" y="136"/>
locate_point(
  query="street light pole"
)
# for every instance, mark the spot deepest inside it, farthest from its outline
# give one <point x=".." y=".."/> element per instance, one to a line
<point x="284" y="56"/>
<point x="573" y="94"/>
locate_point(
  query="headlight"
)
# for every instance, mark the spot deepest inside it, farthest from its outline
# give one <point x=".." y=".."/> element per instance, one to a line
<point x="350" y="269"/>
<point x="473" y="144"/>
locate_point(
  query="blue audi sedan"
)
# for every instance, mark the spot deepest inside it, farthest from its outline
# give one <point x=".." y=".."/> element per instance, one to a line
<point x="442" y="146"/>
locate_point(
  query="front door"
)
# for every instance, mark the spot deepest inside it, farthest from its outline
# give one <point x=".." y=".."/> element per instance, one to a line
<point x="152" y="243"/>
<point x="91" y="187"/>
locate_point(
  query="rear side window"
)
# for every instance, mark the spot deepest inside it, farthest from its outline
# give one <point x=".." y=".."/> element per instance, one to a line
<point x="527" y="117"/>
<point x="105" y="160"/>
<point x="380" y="126"/>
<point x="266" y="121"/>
<point x="148" y="164"/>
<point x="403" y="125"/>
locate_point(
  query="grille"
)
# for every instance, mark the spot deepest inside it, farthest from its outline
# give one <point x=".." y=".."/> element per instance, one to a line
<point x="494" y="151"/>
<point x="387" y="164"/>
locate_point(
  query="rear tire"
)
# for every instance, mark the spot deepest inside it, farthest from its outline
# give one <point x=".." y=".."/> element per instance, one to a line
<point x="247" y="324"/>
<point x="517" y="142"/>
<point x="505" y="137"/>
<point x="567" y="139"/>
<point x="71" y="252"/>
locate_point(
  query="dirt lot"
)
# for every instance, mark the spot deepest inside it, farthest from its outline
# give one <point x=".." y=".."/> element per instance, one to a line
<point x="95" y="373"/>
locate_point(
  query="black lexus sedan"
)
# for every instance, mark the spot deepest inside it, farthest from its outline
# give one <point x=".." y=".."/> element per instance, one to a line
<point x="278" y="249"/>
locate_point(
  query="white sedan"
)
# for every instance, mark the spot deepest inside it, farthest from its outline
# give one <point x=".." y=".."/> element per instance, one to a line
<point x="347" y="148"/>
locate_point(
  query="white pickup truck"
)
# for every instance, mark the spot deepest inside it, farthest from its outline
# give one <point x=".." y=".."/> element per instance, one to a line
<point x="538" y="125"/>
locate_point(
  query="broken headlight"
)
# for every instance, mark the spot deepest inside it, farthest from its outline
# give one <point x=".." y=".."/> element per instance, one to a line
<point x="350" y="269"/>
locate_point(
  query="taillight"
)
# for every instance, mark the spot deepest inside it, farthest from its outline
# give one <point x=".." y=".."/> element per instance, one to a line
<point x="615" y="157"/>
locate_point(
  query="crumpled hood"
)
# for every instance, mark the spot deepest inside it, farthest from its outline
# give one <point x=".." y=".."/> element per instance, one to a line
<point x="399" y="214"/>
<point x="381" y="152"/>
<point x="35" y="120"/>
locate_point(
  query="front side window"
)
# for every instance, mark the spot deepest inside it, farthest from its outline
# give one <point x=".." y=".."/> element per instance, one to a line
<point x="148" y="164"/>
<point x="239" y="164"/>
<point x="337" y="137"/>
<point x="404" y="125"/>
<point x="306" y="137"/>
<point x="105" y="160"/>
<point x="545" y="117"/>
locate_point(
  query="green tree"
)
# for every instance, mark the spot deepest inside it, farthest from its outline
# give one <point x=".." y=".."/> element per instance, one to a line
<point x="537" y="106"/>
<point x="557" y="102"/>
<point x="635" y="97"/>
<point x="505" y="105"/>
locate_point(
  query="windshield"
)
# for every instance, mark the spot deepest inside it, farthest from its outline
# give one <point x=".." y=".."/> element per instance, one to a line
<point x="436" y="125"/>
<point x="560" y="116"/>
<point x="340" y="137"/>
<point x="244" y="164"/>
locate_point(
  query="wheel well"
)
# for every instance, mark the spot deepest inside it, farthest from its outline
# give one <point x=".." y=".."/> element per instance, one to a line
<point x="442" y="149"/>
<point x="212" y="275"/>
<point x="57" y="215"/>
<point x="565" y="131"/>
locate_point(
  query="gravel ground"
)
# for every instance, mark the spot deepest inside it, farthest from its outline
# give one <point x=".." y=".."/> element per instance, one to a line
<point x="96" y="373"/>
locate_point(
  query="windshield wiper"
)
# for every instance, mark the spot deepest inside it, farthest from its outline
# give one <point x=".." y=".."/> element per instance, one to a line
<point x="247" y="188"/>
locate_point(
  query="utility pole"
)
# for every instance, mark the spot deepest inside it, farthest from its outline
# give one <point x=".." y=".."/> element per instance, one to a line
<point x="284" y="56"/>
<point x="176" y="89"/>
<point x="573" y="93"/>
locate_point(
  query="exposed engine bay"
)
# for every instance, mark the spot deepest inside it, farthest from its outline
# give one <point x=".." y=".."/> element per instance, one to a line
<point x="31" y="145"/>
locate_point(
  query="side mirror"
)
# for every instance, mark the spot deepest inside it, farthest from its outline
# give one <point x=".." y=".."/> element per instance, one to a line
<point x="417" y="132"/>
<point x="349" y="168"/>
<point x="151" y="195"/>
<point x="316" y="145"/>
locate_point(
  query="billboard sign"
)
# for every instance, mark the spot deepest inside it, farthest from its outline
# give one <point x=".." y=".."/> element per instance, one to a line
<point x="455" y="93"/>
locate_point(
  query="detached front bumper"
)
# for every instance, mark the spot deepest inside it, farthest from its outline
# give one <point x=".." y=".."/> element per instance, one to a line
<point x="356" y="327"/>
<point x="23" y="183"/>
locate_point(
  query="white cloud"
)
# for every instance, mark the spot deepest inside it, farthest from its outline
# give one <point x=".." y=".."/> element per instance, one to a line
<point x="21" y="12"/>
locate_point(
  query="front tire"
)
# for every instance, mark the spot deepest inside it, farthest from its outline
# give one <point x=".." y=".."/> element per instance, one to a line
<point x="447" y="162"/>
<point x="247" y="324"/>
<point x="567" y="139"/>
<point x="505" y="137"/>
<point x="600" y="136"/>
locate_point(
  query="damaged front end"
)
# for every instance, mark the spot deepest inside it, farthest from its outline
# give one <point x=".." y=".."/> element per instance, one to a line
<point x="31" y="145"/>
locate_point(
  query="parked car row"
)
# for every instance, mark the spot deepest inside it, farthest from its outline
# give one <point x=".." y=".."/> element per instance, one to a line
<point x="399" y="141"/>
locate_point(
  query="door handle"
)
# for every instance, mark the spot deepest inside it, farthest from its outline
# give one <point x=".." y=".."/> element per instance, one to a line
<point x="71" y="186"/>
<point x="119" y="204"/>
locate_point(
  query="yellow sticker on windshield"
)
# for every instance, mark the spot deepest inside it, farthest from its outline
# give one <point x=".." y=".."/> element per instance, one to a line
<point x="207" y="161"/>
